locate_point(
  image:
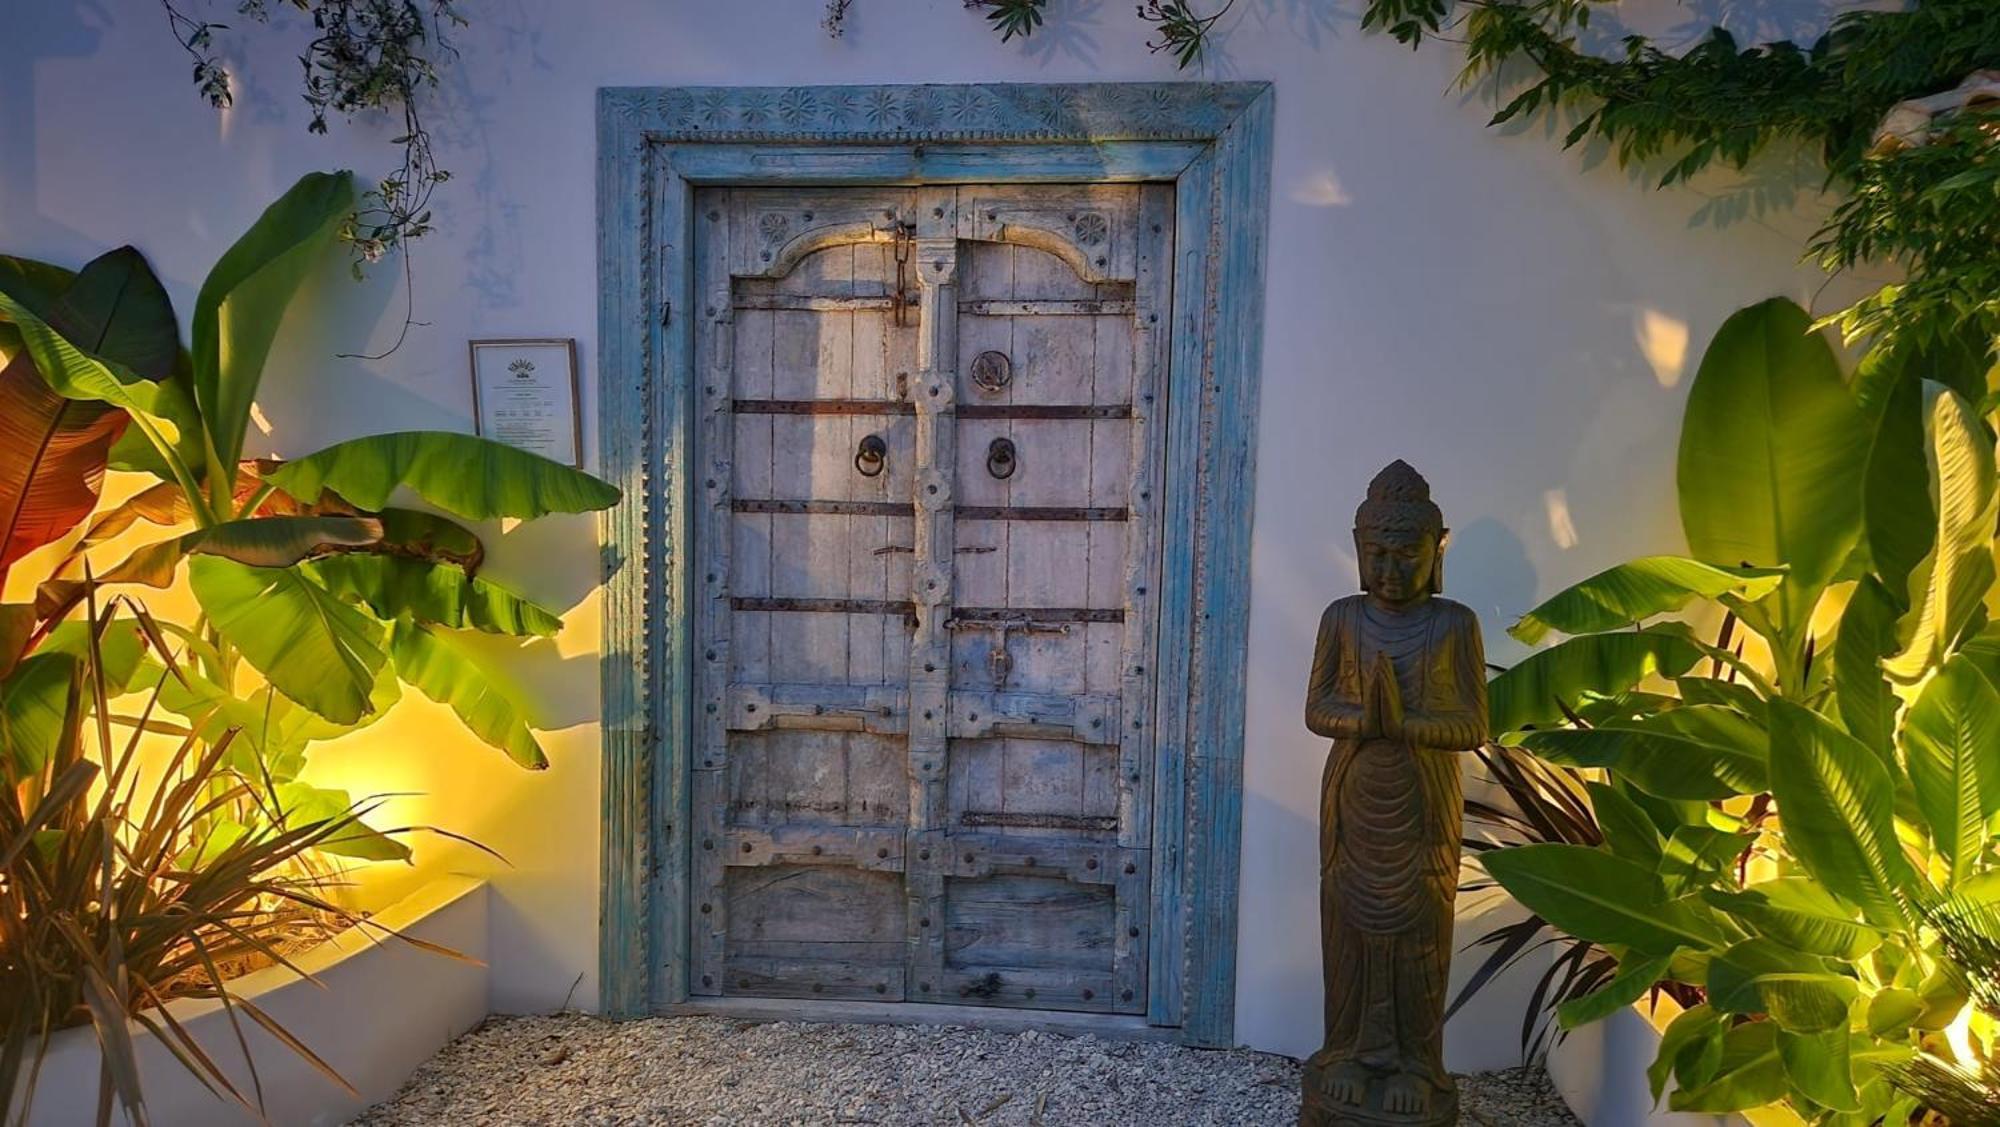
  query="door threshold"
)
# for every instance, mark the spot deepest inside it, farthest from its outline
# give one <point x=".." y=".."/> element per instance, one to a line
<point x="1111" y="1027"/>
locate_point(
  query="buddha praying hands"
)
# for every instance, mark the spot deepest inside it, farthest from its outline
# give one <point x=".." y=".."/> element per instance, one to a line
<point x="1399" y="685"/>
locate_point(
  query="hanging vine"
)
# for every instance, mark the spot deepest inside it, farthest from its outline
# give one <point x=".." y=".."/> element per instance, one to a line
<point x="364" y="56"/>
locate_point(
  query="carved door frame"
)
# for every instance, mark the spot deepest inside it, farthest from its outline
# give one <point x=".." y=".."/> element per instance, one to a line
<point x="655" y="146"/>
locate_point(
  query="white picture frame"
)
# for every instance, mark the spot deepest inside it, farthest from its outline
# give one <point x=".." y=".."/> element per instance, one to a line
<point x="524" y="394"/>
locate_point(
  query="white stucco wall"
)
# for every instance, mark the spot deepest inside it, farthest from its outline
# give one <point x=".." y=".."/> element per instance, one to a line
<point x="1519" y="322"/>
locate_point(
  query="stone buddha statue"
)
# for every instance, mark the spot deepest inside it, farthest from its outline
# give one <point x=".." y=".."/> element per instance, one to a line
<point x="1399" y="685"/>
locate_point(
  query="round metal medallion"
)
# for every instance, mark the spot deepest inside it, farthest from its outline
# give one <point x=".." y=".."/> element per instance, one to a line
<point x="992" y="371"/>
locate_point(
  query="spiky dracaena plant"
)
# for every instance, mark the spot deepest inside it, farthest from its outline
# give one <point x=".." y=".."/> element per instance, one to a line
<point x="124" y="884"/>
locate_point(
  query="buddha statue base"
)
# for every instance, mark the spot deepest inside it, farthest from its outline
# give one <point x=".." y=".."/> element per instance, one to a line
<point x="1318" y="1107"/>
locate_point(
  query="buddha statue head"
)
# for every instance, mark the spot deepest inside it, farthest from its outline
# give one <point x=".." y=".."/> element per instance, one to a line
<point x="1399" y="538"/>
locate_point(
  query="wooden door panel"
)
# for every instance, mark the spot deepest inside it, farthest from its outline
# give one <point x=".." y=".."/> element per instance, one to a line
<point x="786" y="775"/>
<point x="924" y="702"/>
<point x="814" y="930"/>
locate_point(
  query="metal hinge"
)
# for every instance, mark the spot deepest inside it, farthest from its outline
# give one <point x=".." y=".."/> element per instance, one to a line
<point x="666" y="313"/>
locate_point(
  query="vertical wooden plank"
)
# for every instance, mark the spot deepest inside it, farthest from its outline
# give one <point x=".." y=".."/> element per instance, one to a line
<point x="626" y="927"/>
<point x="1222" y="593"/>
<point x="714" y="469"/>
<point x="934" y="388"/>
<point x="1194" y="203"/>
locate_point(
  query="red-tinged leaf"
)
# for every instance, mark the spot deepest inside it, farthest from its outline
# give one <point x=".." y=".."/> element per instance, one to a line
<point x="52" y="455"/>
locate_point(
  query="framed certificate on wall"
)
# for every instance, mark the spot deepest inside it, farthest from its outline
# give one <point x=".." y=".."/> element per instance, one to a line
<point x="524" y="394"/>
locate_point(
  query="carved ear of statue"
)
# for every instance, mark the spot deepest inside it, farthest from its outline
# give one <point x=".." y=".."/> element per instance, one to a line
<point x="1360" y="570"/>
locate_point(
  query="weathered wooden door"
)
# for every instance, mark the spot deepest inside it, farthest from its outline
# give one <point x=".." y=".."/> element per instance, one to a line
<point x="929" y="473"/>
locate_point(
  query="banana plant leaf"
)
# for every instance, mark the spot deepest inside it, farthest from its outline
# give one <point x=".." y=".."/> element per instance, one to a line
<point x="1948" y="589"/>
<point x="242" y="302"/>
<point x="1704" y="752"/>
<point x="1802" y="915"/>
<point x="17" y="625"/>
<point x="452" y="673"/>
<point x="1862" y="696"/>
<point x="1801" y="992"/>
<point x="1634" y="978"/>
<point x="1749" y="1073"/>
<point x="1537" y="689"/>
<point x="1690" y="1050"/>
<point x="1838" y="801"/>
<point x="34" y="710"/>
<point x="1593" y="895"/>
<point x="463" y="474"/>
<point x="307" y="643"/>
<point x="53" y="450"/>
<point x="301" y="804"/>
<point x="1767" y="469"/>
<point x="1637" y="590"/>
<point x="437" y="594"/>
<point x="71" y="372"/>
<point x="1897" y="518"/>
<point x="1820" y="1065"/>
<point x="1951" y="741"/>
<point x="265" y="542"/>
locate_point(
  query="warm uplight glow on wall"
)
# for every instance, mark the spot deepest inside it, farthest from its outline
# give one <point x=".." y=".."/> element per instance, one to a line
<point x="1561" y="529"/>
<point x="1663" y="341"/>
<point x="1959" y="1036"/>
<point x="1321" y="189"/>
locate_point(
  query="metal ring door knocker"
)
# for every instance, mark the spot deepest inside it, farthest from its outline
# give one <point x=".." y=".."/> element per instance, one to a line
<point x="871" y="456"/>
<point x="992" y="371"/>
<point x="1000" y="459"/>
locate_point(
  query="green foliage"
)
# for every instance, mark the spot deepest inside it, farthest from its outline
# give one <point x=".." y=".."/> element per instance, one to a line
<point x="1933" y="209"/>
<point x="300" y="569"/>
<point x="115" y="901"/>
<point x="1777" y="843"/>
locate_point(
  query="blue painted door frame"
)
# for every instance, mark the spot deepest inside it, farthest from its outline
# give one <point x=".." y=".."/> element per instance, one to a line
<point x="655" y="146"/>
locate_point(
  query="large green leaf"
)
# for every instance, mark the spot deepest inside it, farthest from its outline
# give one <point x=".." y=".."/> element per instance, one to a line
<point x="1528" y="694"/>
<point x="1947" y="589"/>
<point x="1749" y="1073"/>
<point x="258" y="542"/>
<point x="1896" y="513"/>
<point x="282" y="541"/>
<point x="1800" y="914"/>
<point x="1627" y="830"/>
<point x="1951" y="741"/>
<point x="53" y="449"/>
<point x="1800" y="992"/>
<point x="1768" y="472"/>
<point x="1819" y="1065"/>
<point x="34" y="711"/>
<point x="242" y="302"/>
<point x="1635" y="591"/>
<point x="302" y="804"/>
<point x="119" y="644"/>
<point x="70" y="371"/>
<point x="311" y="646"/>
<point x="1593" y="895"/>
<point x="1634" y="978"/>
<point x="1696" y="855"/>
<point x="37" y="285"/>
<point x="1690" y="1050"/>
<point x="461" y="473"/>
<point x="1700" y="752"/>
<point x="449" y="671"/>
<point x="1837" y="801"/>
<point x="1862" y="696"/>
<point x="441" y="594"/>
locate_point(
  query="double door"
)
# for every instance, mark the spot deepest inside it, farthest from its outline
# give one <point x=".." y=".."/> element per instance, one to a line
<point x="928" y="485"/>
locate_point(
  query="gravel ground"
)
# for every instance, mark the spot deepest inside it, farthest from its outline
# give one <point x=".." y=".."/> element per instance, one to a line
<point x="713" y="1071"/>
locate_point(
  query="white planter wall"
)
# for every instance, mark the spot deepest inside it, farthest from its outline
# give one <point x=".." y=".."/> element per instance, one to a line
<point x="386" y="1006"/>
<point x="1519" y="322"/>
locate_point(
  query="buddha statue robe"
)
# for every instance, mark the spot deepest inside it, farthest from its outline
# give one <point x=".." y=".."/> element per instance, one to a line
<point x="1390" y="830"/>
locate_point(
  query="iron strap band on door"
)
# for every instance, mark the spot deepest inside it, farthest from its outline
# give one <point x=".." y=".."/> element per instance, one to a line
<point x="962" y="410"/>
<point x="904" y="508"/>
<point x="979" y="616"/>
